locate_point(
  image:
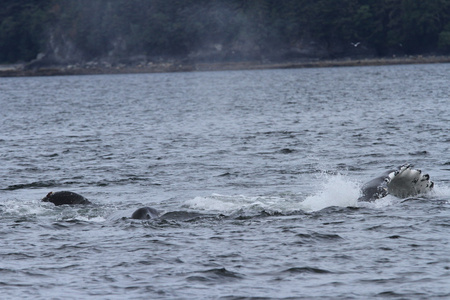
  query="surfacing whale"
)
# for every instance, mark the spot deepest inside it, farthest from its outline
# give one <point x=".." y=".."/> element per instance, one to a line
<point x="145" y="213"/>
<point x="65" y="197"/>
<point x="402" y="182"/>
<point x="71" y="198"/>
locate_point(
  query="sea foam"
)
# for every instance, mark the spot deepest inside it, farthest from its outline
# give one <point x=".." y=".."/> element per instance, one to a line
<point x="336" y="190"/>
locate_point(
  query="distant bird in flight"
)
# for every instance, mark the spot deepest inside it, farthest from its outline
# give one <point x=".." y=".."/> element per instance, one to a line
<point x="355" y="44"/>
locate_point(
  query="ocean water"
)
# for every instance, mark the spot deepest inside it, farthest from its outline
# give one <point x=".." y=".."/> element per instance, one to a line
<point x="256" y="173"/>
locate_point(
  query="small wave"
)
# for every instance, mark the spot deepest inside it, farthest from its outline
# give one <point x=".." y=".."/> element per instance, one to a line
<point x="37" y="184"/>
<point x="125" y="181"/>
<point x="308" y="238"/>
<point x="287" y="151"/>
<point x="302" y="270"/>
<point x="419" y="153"/>
<point x="186" y="216"/>
<point x="215" y="275"/>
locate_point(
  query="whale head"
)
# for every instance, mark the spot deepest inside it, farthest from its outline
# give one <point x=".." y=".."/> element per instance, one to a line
<point x="145" y="213"/>
<point x="402" y="182"/>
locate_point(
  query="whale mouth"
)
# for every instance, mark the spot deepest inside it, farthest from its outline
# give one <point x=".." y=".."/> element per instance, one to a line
<point x="47" y="198"/>
<point x="407" y="182"/>
<point x="403" y="182"/>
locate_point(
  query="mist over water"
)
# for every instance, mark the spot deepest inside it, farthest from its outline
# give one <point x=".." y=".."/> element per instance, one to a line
<point x="256" y="174"/>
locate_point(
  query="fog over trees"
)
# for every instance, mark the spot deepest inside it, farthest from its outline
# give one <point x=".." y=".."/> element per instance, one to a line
<point x="69" y="31"/>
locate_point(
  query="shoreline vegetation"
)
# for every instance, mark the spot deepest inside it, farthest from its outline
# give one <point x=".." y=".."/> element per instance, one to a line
<point x="94" y="68"/>
<point x="53" y="37"/>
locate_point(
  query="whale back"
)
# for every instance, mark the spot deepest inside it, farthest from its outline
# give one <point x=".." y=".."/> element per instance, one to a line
<point x="402" y="182"/>
<point x="65" y="197"/>
<point x="376" y="188"/>
<point x="145" y="213"/>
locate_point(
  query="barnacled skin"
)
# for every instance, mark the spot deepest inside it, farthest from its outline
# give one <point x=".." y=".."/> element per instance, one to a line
<point x="403" y="182"/>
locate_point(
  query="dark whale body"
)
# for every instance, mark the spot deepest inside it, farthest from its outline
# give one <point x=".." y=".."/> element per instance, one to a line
<point x="65" y="197"/>
<point x="402" y="182"/>
<point x="71" y="198"/>
<point x="145" y="213"/>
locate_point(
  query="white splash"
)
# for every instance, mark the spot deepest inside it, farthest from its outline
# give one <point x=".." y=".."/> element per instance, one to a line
<point x="94" y="219"/>
<point x="229" y="204"/>
<point x="23" y="208"/>
<point x="442" y="192"/>
<point x="337" y="190"/>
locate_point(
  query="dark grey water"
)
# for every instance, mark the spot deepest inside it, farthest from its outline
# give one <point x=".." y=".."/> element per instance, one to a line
<point x="258" y="173"/>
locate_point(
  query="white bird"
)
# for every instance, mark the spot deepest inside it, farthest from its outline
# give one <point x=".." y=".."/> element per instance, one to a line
<point x="356" y="44"/>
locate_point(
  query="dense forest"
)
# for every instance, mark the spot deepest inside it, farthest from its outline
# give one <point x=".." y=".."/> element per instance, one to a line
<point x="68" y="31"/>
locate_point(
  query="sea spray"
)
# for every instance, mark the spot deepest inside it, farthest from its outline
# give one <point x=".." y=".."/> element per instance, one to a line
<point x="231" y="204"/>
<point x="337" y="190"/>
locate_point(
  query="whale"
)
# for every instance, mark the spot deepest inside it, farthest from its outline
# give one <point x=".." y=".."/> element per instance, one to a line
<point x="402" y="182"/>
<point x="145" y="213"/>
<point x="65" y="197"/>
<point x="71" y="198"/>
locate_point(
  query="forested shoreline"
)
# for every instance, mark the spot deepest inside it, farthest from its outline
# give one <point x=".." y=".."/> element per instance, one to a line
<point x="145" y="32"/>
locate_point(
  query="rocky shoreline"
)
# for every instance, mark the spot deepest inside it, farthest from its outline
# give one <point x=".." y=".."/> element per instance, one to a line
<point x="94" y="68"/>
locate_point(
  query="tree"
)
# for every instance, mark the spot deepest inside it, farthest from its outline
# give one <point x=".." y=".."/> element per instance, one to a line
<point x="22" y="25"/>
